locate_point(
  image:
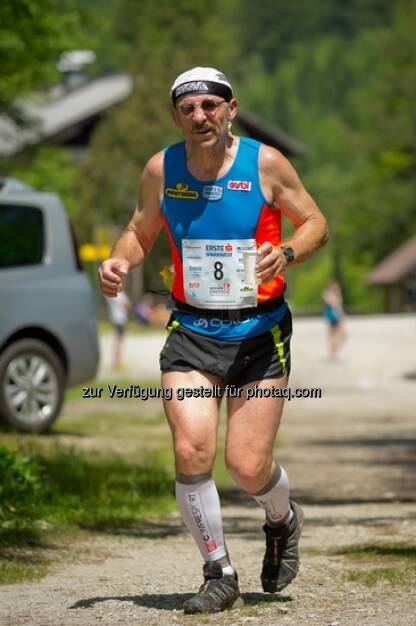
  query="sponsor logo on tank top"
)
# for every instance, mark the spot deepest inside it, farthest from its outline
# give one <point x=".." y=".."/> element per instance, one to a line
<point x="181" y="191"/>
<point x="239" y="185"/>
<point x="212" y="192"/>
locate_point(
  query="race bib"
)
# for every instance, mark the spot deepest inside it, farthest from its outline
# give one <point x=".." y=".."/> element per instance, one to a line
<point x="215" y="275"/>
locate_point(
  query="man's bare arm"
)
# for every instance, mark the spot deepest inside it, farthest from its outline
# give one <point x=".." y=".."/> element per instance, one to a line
<point x="285" y="190"/>
<point x="138" y="237"/>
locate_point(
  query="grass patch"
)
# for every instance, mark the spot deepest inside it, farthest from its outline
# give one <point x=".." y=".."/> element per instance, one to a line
<point x="98" y="491"/>
<point x="396" y="576"/>
<point x="16" y="568"/>
<point x="98" y="471"/>
<point x="62" y="489"/>
<point x="110" y="425"/>
<point x="388" y="550"/>
<point x="400" y="573"/>
<point x="125" y="433"/>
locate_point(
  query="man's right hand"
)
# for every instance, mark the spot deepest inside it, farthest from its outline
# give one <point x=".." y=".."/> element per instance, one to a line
<point x="111" y="274"/>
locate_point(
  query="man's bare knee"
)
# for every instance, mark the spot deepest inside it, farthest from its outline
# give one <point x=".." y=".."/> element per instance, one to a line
<point x="251" y="472"/>
<point x="193" y="458"/>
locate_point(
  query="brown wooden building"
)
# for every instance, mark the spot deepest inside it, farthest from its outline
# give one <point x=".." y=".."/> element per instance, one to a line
<point x="69" y="115"/>
<point x="396" y="275"/>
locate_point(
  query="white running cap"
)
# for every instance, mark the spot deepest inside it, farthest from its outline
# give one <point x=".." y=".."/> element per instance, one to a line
<point x="201" y="80"/>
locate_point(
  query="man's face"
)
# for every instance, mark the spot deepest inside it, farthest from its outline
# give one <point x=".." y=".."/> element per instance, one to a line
<point x="203" y="119"/>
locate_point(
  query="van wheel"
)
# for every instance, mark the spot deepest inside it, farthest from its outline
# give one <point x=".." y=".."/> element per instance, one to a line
<point x="32" y="383"/>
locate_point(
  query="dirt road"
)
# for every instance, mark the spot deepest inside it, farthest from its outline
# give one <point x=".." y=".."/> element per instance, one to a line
<point x="351" y="459"/>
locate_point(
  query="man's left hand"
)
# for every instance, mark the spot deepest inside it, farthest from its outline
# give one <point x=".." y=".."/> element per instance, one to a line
<point x="272" y="261"/>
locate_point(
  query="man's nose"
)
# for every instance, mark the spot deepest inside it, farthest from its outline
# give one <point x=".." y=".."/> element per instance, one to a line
<point x="199" y="113"/>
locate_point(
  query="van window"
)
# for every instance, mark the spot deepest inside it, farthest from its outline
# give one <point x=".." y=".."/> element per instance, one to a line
<point x="22" y="235"/>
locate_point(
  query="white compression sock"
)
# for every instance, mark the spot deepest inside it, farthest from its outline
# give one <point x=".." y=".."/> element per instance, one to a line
<point x="274" y="498"/>
<point x="199" y="504"/>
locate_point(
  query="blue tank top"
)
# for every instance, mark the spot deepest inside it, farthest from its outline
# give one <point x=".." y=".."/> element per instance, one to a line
<point x="232" y="206"/>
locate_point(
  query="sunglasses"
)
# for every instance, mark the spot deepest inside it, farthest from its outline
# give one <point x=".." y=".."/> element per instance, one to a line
<point x="208" y="106"/>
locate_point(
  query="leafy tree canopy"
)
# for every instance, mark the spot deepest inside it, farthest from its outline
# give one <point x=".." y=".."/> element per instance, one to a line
<point x="339" y="76"/>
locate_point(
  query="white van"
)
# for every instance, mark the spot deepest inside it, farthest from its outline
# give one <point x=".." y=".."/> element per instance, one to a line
<point x="48" y="334"/>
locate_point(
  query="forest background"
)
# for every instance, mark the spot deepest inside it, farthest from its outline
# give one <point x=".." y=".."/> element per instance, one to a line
<point x="339" y="77"/>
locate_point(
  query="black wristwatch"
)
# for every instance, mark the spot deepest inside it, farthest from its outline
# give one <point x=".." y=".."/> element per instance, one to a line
<point x="288" y="253"/>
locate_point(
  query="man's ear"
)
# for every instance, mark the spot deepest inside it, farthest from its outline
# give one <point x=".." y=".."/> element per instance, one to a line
<point x="232" y="109"/>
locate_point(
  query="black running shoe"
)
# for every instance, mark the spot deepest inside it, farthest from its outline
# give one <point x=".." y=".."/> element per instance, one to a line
<point x="281" y="560"/>
<point x="217" y="593"/>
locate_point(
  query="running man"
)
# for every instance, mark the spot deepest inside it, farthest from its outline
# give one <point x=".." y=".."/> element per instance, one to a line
<point x="220" y="198"/>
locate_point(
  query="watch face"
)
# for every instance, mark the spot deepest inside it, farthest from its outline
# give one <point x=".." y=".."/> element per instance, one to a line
<point x="289" y="254"/>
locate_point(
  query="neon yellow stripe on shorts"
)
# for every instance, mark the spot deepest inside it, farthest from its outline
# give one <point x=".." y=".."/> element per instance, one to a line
<point x="173" y="326"/>
<point x="277" y="338"/>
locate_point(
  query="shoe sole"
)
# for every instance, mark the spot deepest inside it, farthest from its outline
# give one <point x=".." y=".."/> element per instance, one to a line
<point x="238" y="603"/>
<point x="271" y="586"/>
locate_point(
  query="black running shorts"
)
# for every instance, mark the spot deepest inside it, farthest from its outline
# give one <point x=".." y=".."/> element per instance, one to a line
<point x="236" y="362"/>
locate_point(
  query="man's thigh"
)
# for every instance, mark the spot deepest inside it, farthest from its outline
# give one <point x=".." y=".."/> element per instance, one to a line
<point x="254" y="419"/>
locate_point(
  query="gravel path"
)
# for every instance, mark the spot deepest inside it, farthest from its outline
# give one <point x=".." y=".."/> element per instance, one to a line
<point x="143" y="579"/>
<point x="350" y="457"/>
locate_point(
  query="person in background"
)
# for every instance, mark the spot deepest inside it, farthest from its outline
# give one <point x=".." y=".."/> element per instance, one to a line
<point x="150" y="313"/>
<point x="143" y="310"/>
<point x="118" y="311"/>
<point x="334" y="314"/>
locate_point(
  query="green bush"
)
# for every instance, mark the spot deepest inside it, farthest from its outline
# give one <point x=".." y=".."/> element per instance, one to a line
<point x="70" y="487"/>
<point x="20" y="486"/>
<point x="99" y="490"/>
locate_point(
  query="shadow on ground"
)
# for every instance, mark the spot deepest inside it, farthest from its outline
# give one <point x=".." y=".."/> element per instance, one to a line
<point x="173" y="601"/>
<point x="157" y="530"/>
<point x="250" y="527"/>
<point x="233" y="496"/>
